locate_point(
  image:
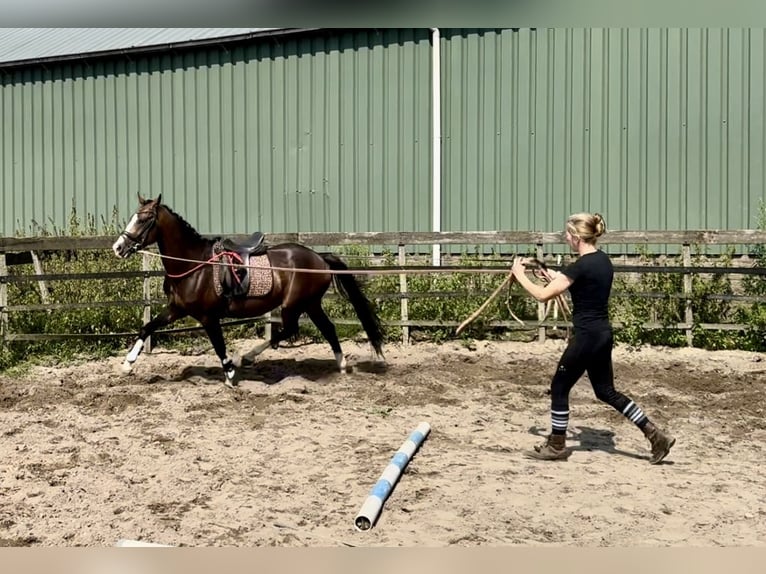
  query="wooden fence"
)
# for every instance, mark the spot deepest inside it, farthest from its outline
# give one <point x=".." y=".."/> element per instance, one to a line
<point x="24" y="250"/>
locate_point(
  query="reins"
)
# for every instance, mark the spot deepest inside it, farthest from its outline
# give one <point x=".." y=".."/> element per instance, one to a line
<point x="210" y="261"/>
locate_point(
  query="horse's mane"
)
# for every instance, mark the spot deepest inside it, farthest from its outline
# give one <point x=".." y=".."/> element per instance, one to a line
<point x="185" y="224"/>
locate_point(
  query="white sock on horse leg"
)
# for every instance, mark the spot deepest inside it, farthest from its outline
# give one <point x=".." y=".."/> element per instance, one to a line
<point x="229" y="371"/>
<point x="135" y="351"/>
<point x="341" y="360"/>
<point x="127" y="365"/>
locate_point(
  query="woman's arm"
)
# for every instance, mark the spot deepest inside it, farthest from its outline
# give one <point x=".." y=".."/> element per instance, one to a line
<point x="553" y="273"/>
<point x="543" y="293"/>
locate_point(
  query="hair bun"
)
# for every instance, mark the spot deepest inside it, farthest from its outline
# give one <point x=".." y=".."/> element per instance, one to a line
<point x="600" y="224"/>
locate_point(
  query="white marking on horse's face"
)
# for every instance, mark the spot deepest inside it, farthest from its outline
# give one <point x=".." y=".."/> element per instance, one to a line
<point x="120" y="246"/>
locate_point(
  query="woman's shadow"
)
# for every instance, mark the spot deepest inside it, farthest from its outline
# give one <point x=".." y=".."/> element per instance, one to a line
<point x="593" y="439"/>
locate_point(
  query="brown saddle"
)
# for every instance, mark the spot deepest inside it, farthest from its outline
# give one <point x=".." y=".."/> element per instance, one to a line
<point x="242" y="269"/>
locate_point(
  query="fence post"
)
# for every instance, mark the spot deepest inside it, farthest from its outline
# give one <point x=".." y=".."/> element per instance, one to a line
<point x="147" y="295"/>
<point x="271" y="315"/>
<point x="689" y="315"/>
<point x="404" y="302"/>
<point x="3" y="298"/>
<point x="44" y="295"/>
<point x="540" y="254"/>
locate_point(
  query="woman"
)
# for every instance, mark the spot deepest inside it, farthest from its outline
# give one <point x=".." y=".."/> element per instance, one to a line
<point x="589" y="280"/>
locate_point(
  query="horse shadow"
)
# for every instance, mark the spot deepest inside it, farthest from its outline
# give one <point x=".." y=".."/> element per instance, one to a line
<point x="594" y="439"/>
<point x="273" y="371"/>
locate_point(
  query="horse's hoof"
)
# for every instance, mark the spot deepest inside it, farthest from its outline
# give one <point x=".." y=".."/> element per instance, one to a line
<point x="126" y="368"/>
<point x="230" y="378"/>
<point x="342" y="364"/>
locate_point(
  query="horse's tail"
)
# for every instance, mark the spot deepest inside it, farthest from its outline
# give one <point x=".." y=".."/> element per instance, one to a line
<point x="348" y="287"/>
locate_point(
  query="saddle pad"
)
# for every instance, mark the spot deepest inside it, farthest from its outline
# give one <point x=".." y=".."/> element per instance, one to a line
<point x="261" y="280"/>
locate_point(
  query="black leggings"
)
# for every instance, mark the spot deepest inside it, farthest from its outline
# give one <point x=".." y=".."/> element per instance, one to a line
<point x="591" y="352"/>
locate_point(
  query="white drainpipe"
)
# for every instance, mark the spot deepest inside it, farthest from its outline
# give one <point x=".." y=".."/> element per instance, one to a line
<point x="436" y="121"/>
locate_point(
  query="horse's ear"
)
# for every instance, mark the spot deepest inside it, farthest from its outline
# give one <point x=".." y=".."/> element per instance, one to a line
<point x="141" y="199"/>
<point x="159" y="199"/>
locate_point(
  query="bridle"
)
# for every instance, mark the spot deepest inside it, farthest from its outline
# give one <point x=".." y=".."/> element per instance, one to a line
<point x="138" y="241"/>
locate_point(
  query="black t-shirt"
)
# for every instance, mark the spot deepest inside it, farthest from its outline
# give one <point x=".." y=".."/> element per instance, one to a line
<point x="591" y="277"/>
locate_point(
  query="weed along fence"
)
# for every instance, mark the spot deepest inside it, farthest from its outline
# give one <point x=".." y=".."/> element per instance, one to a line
<point x="58" y="288"/>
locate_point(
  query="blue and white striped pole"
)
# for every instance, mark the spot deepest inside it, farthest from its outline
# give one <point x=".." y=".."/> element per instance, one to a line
<point x="371" y="508"/>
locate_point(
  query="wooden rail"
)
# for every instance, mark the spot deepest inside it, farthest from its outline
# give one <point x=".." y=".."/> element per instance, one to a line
<point x="12" y="250"/>
<point x="693" y="237"/>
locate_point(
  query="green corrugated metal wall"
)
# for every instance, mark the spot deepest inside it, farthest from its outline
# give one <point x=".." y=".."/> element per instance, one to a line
<point x="320" y="133"/>
<point x="656" y="129"/>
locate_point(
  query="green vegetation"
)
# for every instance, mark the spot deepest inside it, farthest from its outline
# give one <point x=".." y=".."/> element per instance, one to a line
<point x="443" y="297"/>
<point x="666" y="308"/>
<point x="754" y="314"/>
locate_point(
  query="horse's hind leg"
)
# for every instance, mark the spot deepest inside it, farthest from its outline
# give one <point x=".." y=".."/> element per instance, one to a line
<point x="326" y="327"/>
<point x="290" y="316"/>
<point x="250" y="356"/>
<point x="214" y="332"/>
<point x="163" y="318"/>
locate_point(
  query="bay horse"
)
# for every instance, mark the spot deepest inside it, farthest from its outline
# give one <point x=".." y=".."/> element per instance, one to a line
<point x="189" y="262"/>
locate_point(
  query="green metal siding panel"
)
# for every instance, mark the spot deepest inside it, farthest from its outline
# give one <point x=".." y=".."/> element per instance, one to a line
<point x="753" y="157"/>
<point x="319" y="133"/>
<point x="654" y="128"/>
<point x="330" y="110"/>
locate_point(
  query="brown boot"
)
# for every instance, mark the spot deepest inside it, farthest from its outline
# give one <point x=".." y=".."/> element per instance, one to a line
<point x="661" y="443"/>
<point x="554" y="448"/>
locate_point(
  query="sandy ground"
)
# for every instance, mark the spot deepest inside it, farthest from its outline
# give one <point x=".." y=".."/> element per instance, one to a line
<point x="170" y="455"/>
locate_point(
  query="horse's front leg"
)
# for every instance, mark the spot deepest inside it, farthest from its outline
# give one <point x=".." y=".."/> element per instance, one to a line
<point x="214" y="332"/>
<point x="169" y="314"/>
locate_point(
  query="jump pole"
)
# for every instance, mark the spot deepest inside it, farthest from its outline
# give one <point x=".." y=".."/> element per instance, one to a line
<point x="127" y="543"/>
<point x="371" y="508"/>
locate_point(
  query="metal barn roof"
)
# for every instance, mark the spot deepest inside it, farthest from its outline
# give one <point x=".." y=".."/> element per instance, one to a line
<point x="28" y="45"/>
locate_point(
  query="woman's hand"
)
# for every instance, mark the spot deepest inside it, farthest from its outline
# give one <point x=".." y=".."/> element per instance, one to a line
<point x="552" y="274"/>
<point x="518" y="269"/>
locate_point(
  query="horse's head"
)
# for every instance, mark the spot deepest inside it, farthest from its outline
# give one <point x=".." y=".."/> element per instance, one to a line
<point x="141" y="229"/>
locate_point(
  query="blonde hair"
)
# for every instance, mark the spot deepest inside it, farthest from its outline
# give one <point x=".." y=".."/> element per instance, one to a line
<point x="586" y="226"/>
